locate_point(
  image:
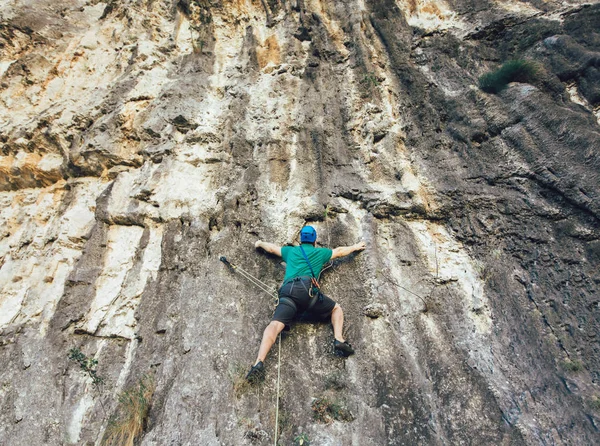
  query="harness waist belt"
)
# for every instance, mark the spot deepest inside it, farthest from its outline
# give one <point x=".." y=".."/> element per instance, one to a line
<point x="287" y="301"/>
<point x="296" y="279"/>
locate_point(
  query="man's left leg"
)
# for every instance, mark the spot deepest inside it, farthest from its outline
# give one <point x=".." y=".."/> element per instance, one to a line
<point x="326" y="307"/>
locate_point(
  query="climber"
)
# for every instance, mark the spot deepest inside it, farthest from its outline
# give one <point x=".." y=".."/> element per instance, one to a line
<point x="299" y="293"/>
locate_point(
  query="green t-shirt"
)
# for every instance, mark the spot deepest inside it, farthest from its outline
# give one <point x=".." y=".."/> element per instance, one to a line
<point x="296" y="265"/>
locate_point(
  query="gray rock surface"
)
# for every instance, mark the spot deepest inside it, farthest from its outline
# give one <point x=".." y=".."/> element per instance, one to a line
<point x="142" y="140"/>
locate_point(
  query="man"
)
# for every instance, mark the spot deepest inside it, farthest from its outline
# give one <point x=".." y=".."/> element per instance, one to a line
<point x="298" y="294"/>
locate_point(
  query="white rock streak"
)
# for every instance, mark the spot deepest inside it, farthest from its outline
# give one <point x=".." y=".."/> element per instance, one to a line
<point x="119" y="318"/>
<point x="77" y="418"/>
<point x="431" y="15"/>
<point x="448" y="261"/>
<point x="578" y="99"/>
<point x="41" y="244"/>
<point x="122" y="244"/>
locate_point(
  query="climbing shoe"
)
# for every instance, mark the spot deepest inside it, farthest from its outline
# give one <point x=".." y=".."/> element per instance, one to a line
<point x="256" y="373"/>
<point x="342" y="348"/>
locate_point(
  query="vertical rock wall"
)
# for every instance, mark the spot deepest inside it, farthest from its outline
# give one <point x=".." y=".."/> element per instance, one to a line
<point x="142" y="140"/>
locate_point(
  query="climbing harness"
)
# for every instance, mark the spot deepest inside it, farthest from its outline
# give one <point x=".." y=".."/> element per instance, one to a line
<point x="315" y="289"/>
<point x="273" y="292"/>
<point x="314" y="282"/>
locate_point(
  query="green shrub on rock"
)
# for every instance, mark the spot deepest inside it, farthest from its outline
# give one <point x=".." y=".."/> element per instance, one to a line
<point x="88" y="365"/>
<point x="512" y="71"/>
<point x="572" y="365"/>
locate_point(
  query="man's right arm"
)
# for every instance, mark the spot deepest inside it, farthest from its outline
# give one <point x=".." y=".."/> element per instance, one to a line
<point x="269" y="247"/>
<point x="345" y="250"/>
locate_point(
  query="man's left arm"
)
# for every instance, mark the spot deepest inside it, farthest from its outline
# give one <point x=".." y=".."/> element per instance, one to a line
<point x="343" y="251"/>
<point x="269" y="247"/>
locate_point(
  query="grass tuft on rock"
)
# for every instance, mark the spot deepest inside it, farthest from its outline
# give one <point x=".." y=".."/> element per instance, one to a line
<point x="326" y="411"/>
<point x="132" y="413"/>
<point x="517" y="70"/>
<point x="572" y="365"/>
<point x="237" y="375"/>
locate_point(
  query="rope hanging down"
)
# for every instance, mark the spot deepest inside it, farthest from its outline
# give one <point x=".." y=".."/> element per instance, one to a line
<point x="272" y="292"/>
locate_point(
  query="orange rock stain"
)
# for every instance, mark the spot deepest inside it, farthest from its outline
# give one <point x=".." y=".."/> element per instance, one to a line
<point x="432" y="9"/>
<point x="269" y="52"/>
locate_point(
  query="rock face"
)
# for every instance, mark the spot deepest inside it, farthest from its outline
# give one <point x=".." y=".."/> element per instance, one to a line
<point x="142" y="140"/>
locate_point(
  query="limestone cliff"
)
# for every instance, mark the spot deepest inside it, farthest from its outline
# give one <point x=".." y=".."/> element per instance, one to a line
<point x="142" y="140"/>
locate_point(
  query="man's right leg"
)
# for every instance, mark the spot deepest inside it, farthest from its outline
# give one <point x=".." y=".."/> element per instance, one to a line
<point x="337" y="320"/>
<point x="268" y="339"/>
<point x="257" y="371"/>
<point x="284" y="315"/>
<point x="339" y="344"/>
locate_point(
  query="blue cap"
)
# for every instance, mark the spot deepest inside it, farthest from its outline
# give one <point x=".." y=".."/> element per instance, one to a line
<point x="308" y="234"/>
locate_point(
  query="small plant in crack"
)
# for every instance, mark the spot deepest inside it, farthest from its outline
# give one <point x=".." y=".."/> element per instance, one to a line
<point x="237" y="375"/>
<point x="88" y="365"/>
<point x="301" y="440"/>
<point x="483" y="271"/>
<point x="370" y="80"/>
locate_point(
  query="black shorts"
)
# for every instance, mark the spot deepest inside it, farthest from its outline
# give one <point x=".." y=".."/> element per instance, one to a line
<point x="297" y="292"/>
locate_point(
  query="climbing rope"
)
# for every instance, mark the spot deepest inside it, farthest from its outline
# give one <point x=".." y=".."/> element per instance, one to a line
<point x="278" y="379"/>
<point x="272" y="292"/>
